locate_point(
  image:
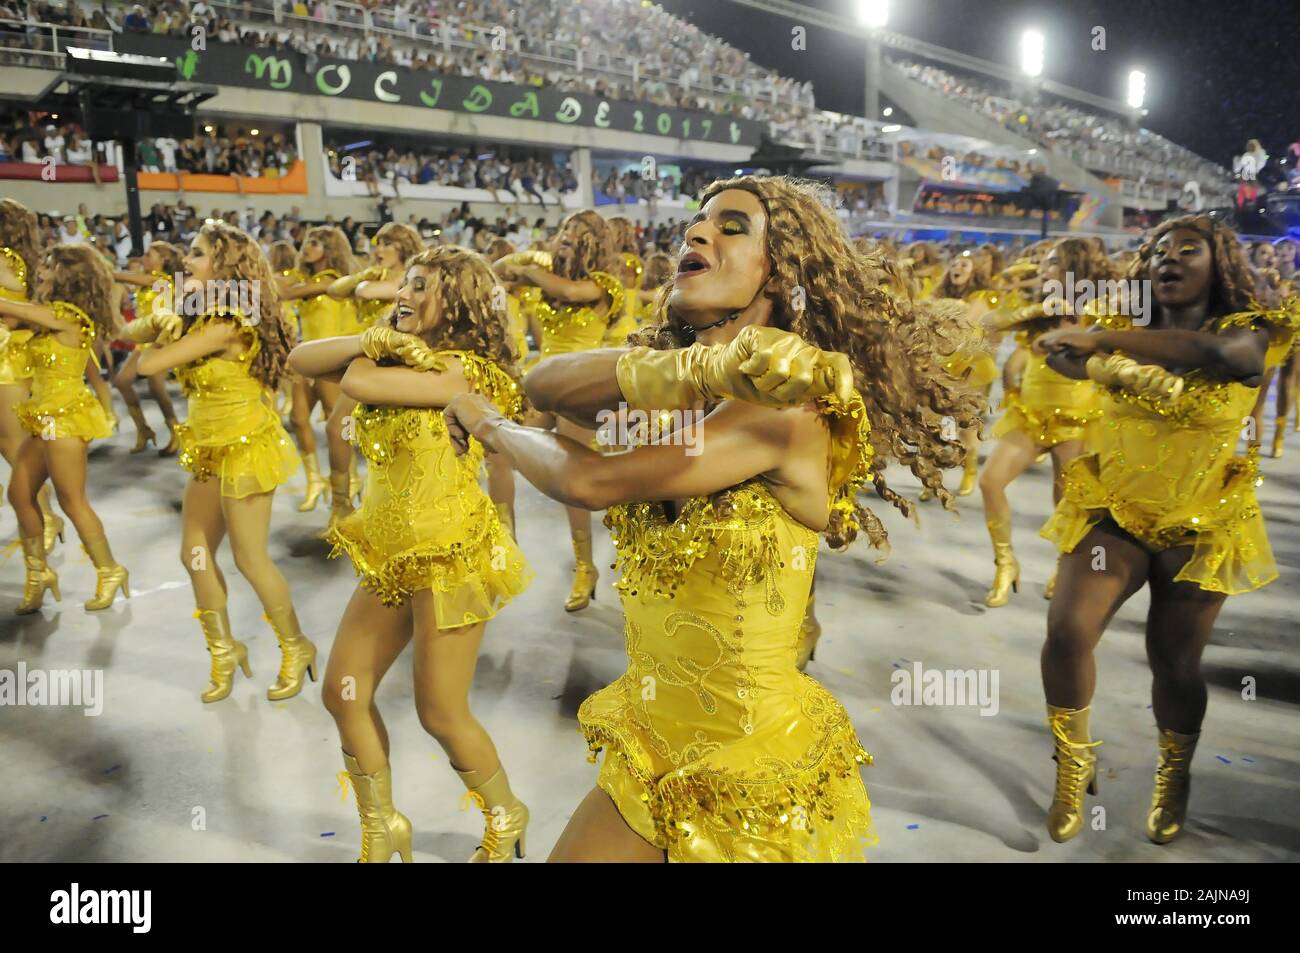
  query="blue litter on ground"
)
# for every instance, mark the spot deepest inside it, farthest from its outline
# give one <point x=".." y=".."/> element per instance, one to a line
<point x="1248" y="760"/>
<point x="112" y="769"/>
<point x="99" y="817"/>
<point x="328" y="834"/>
<point x="912" y="827"/>
<point x="43" y="818"/>
<point x="1223" y="759"/>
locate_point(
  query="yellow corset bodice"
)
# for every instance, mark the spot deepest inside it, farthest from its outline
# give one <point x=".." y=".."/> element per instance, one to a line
<point x="61" y="403"/>
<point x="147" y="298"/>
<point x="568" y="329"/>
<point x="14" y="364"/>
<point x="323" y="316"/>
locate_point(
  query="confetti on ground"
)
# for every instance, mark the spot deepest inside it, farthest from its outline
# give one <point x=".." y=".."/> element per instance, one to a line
<point x="44" y="818"/>
<point x="1223" y="759"/>
<point x="875" y="711"/>
<point x="327" y="834"/>
<point x="1248" y="760"/>
<point x="112" y="769"/>
<point x="99" y="817"/>
<point x="912" y="827"/>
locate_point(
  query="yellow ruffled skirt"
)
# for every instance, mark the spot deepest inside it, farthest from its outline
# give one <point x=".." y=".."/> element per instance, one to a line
<point x="1230" y="548"/>
<point x="63" y="407"/>
<point x="248" y="458"/>
<point x="471" y="578"/>
<point x="772" y="796"/>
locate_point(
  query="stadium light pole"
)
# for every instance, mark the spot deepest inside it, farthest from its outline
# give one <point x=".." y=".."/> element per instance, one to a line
<point x="872" y="14"/>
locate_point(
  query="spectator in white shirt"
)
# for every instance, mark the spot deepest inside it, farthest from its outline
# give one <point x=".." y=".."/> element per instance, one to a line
<point x="167" y="152"/>
<point x="69" y="234"/>
<point x="54" y="143"/>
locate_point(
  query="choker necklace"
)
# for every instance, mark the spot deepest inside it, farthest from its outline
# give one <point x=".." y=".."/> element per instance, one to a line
<point x="718" y="323"/>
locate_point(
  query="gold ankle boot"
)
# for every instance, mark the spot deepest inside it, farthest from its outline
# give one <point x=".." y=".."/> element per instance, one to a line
<point x="1006" y="575"/>
<point x="110" y="575"/>
<point x="1076" y="769"/>
<point x="1168" y="810"/>
<point x="1278" y="437"/>
<point x="810" y="630"/>
<point x="505" y="814"/>
<point x="384" y="830"/>
<point x="173" y="440"/>
<point x="354" y="480"/>
<point x="297" y="654"/>
<point x="39" y="577"/>
<point x="53" y="522"/>
<point x="970" y="474"/>
<point x="1050" y="589"/>
<point x="227" y="654"/>
<point x="340" y="500"/>
<point x="584" y="573"/>
<point x="316" y="484"/>
<point x="144" y="435"/>
<point x="506" y="513"/>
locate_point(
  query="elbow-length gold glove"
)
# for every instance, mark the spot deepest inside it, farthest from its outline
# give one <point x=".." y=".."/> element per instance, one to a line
<point x="762" y="365"/>
<point x="381" y="342"/>
<point x="161" y="327"/>
<point x="345" y="287"/>
<point x="1144" y="380"/>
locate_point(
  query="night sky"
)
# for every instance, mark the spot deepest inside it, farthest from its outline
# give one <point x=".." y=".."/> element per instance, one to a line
<point x="1218" y="71"/>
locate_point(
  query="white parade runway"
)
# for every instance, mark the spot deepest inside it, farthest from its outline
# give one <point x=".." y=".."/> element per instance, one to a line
<point x="159" y="776"/>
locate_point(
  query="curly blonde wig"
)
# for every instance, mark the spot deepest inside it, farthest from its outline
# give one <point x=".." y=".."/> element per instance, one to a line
<point x="593" y="250"/>
<point x="897" y="347"/>
<point x="79" y="275"/>
<point x="20" y="233"/>
<point x="236" y="256"/>
<point x="170" y="258"/>
<point x="474" y="316"/>
<point x="338" y="253"/>
<point x="946" y="287"/>
<point x="282" y="257"/>
<point x="1232" y="288"/>
<point x="658" y="269"/>
<point x="406" y="239"/>
<point x="622" y="235"/>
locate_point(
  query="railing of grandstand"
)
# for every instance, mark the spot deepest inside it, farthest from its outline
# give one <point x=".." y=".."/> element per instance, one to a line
<point x="43" y="44"/>
<point x="449" y="36"/>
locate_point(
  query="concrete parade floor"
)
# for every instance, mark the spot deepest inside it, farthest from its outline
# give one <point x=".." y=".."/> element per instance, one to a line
<point x="159" y="776"/>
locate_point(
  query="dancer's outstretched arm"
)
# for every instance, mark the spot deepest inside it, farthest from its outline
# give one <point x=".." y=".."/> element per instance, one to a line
<point x="401" y="386"/>
<point x="213" y="339"/>
<point x="34" y="316"/>
<point x="326" y="358"/>
<point x="1236" y="353"/>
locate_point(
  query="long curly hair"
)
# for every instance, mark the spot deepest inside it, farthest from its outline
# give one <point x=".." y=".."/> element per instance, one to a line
<point x="622" y="234"/>
<point x="406" y="239"/>
<point x="170" y="258"/>
<point x="1232" y="287"/>
<point x="592" y="252"/>
<point x="236" y="256"/>
<point x="338" y="253"/>
<point x="945" y="287"/>
<point x="658" y="269"/>
<point x="897" y="347"/>
<point x="79" y="275"/>
<point x="474" y="309"/>
<point x="282" y="257"/>
<point x="20" y="232"/>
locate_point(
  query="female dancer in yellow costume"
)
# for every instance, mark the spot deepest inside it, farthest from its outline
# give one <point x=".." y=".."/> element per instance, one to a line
<point x="229" y="360"/>
<point x="162" y="262"/>
<point x="1162" y="498"/>
<point x="19" y="255"/>
<point x="1048" y="413"/>
<point x="71" y="311"/>
<point x="324" y="258"/>
<point x="629" y="269"/>
<point x="573" y="301"/>
<point x="717" y="748"/>
<point x="434" y="560"/>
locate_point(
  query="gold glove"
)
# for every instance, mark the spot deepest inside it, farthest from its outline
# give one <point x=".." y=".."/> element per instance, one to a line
<point x="4" y="335"/>
<point x="346" y="286"/>
<point x="161" y="327"/>
<point x="523" y="259"/>
<point x="762" y="365"/>
<point x="381" y="342"/>
<point x="1144" y="380"/>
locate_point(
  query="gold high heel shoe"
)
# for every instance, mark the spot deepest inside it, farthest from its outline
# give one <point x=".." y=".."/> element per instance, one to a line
<point x="39" y="577"/>
<point x="506" y="513"/>
<point x="1168" y="810"/>
<point x="173" y="441"/>
<point x="1278" y="438"/>
<point x="110" y="575"/>
<point x="144" y="435"/>
<point x="1006" y="575"/>
<point x="970" y="474"/>
<point x="227" y="654"/>
<point x="384" y="830"/>
<point x="1050" y="589"/>
<point x="316" y="484"/>
<point x="584" y="573"/>
<point x="297" y="654"/>
<point x="810" y="630"/>
<point x="53" y="522"/>
<point x="1076" y="770"/>
<point x="505" y="814"/>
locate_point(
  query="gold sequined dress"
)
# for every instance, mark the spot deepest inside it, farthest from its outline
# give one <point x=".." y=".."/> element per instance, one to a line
<point x="716" y="747"/>
<point x="369" y="311"/>
<point x="232" y="434"/>
<point x="626" y="321"/>
<point x="62" y="403"/>
<point x="1049" y="408"/>
<point x="1169" y="472"/>
<point x="14" y="363"/>
<point x="325" y="317"/>
<point x="424" y="521"/>
<point x="573" y="328"/>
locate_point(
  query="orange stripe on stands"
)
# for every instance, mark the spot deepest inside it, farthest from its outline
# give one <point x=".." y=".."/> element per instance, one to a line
<point x="294" y="182"/>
